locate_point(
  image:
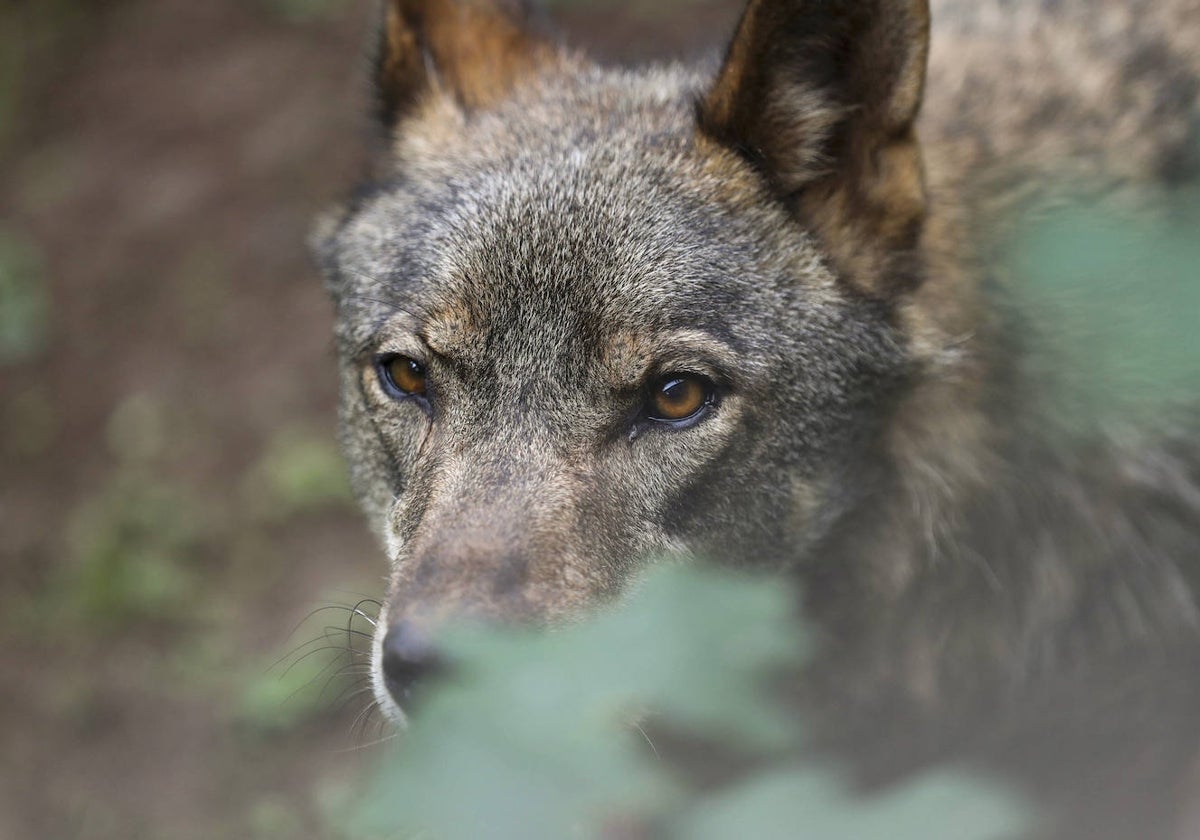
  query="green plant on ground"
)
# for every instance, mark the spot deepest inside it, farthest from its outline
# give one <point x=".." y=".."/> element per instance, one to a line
<point x="24" y="299"/>
<point x="298" y="473"/>
<point x="130" y="552"/>
<point x="536" y="735"/>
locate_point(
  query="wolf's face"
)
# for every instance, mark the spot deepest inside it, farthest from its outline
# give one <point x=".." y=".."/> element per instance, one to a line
<point x="580" y="326"/>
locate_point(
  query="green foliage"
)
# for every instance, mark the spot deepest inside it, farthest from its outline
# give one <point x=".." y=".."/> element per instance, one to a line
<point x="534" y="736"/>
<point x="1121" y="292"/>
<point x="807" y="802"/>
<point x="276" y="699"/>
<point x="273" y="817"/>
<point x="298" y="473"/>
<point x="300" y="682"/>
<point x="24" y="300"/>
<point x="134" y="543"/>
<point x="130" y="545"/>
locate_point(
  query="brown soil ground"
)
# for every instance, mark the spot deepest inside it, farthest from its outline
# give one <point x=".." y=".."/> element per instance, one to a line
<point x="170" y="502"/>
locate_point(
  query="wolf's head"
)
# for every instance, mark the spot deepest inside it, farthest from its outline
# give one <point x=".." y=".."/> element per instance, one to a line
<point x="587" y="317"/>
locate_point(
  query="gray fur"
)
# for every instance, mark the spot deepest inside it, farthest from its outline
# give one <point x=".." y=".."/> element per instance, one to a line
<point x="559" y="247"/>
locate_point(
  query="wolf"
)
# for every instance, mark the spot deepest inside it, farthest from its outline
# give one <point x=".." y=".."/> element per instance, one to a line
<point x="750" y="310"/>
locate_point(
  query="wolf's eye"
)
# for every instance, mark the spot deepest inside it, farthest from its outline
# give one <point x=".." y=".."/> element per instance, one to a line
<point x="401" y="376"/>
<point x="679" y="397"/>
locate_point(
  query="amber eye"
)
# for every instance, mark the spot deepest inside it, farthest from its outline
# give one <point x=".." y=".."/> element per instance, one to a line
<point x="679" y="397"/>
<point x="402" y="376"/>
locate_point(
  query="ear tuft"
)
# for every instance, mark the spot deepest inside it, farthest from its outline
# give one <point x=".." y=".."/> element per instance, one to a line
<point x="475" y="51"/>
<point x="822" y="96"/>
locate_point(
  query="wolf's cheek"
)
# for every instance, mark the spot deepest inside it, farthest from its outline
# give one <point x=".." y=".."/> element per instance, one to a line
<point x="730" y="488"/>
<point x="383" y="440"/>
<point x="677" y="475"/>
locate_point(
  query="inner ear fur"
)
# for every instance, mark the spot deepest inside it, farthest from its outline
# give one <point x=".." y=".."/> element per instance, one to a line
<point x="475" y="51"/>
<point x="822" y="96"/>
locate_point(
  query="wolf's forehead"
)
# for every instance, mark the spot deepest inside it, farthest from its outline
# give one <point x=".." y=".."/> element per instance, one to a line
<point x="586" y="257"/>
<point x="593" y="220"/>
<point x="581" y="233"/>
<point x="556" y="279"/>
<point x="536" y="278"/>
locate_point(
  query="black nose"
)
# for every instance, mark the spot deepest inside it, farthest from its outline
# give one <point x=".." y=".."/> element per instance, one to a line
<point x="408" y="658"/>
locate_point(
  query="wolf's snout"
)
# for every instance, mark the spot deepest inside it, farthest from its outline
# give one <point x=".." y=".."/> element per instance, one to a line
<point x="409" y="656"/>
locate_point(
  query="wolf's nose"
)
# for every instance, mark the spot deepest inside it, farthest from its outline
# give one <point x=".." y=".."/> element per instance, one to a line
<point x="408" y="657"/>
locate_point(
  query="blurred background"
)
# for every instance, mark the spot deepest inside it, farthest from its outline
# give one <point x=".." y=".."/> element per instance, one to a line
<point x="172" y="502"/>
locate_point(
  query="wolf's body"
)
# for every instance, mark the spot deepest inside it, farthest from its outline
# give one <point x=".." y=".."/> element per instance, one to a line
<point x="548" y="240"/>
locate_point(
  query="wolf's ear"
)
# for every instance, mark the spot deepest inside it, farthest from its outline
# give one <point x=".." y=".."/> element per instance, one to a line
<point x="821" y="95"/>
<point x="472" y="50"/>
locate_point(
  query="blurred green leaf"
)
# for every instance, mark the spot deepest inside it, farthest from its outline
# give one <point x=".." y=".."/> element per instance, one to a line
<point x="130" y="550"/>
<point x="298" y="473"/>
<point x="810" y="803"/>
<point x="298" y="683"/>
<point x="535" y="735"/>
<point x="24" y="300"/>
<point x="274" y="817"/>
<point x="1120" y="293"/>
